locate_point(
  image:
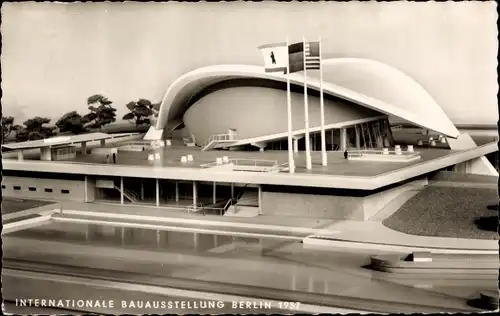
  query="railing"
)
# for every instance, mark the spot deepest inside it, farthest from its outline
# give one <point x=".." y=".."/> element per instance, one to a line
<point x="253" y="162"/>
<point x="359" y="153"/>
<point x="219" y="137"/>
<point x="132" y="194"/>
<point x="244" y="162"/>
<point x="198" y="208"/>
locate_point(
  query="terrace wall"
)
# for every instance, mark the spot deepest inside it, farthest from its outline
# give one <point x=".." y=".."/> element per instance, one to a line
<point x="41" y="188"/>
<point x="338" y="207"/>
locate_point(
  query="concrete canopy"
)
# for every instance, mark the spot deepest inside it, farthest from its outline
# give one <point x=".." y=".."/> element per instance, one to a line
<point x="368" y="83"/>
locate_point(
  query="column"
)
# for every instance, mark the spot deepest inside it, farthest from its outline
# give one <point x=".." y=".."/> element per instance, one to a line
<point x="214" y="194"/>
<point x="103" y="142"/>
<point x="86" y="199"/>
<point x="194" y="195"/>
<point x="83" y="149"/>
<point x="158" y="238"/>
<point x="332" y="139"/>
<point x="343" y="139"/>
<point x="195" y="241"/>
<point x="176" y="191"/>
<point x="232" y="190"/>
<point x="142" y="189"/>
<point x="121" y="190"/>
<point x="20" y="155"/>
<point x="260" y="199"/>
<point x="358" y="139"/>
<point x="295" y="145"/>
<point x="157" y="192"/>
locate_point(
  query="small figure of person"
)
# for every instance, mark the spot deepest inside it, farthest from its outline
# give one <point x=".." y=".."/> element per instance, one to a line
<point x="345" y="154"/>
<point x="114" y="158"/>
<point x="107" y="158"/>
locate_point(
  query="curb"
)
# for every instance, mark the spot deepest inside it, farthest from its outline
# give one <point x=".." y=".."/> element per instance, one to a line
<point x="156" y="219"/>
<point x="339" y="243"/>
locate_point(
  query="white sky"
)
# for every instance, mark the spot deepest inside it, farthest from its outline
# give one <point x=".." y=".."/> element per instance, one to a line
<point x="56" y="55"/>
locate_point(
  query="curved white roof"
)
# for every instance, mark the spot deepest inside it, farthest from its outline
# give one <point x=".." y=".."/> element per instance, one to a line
<point x="365" y="82"/>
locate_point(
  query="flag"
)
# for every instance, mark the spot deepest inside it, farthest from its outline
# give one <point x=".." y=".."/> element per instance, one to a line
<point x="299" y="51"/>
<point x="275" y="57"/>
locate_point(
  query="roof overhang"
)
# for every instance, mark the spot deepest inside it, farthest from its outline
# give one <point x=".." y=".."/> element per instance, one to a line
<point x="181" y="91"/>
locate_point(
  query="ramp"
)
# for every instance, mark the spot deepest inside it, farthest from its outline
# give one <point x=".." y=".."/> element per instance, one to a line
<point x="154" y="134"/>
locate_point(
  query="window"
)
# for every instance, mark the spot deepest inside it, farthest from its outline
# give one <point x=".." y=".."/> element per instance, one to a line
<point x="65" y="191"/>
<point x="3" y="186"/>
<point x="48" y="190"/>
<point x="17" y="188"/>
<point x="32" y="188"/>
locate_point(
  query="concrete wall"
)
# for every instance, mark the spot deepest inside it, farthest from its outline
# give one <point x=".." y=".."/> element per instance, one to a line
<point x="91" y="185"/>
<point x="311" y="205"/>
<point x="260" y="111"/>
<point x="332" y="206"/>
<point x="76" y="188"/>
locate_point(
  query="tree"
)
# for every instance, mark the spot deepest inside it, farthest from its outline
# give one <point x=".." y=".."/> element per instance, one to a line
<point x="8" y="127"/>
<point x="101" y="112"/>
<point x="72" y="122"/>
<point x="33" y="129"/>
<point x="141" y="111"/>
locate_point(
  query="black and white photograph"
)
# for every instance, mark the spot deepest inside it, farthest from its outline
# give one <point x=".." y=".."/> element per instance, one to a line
<point x="239" y="157"/>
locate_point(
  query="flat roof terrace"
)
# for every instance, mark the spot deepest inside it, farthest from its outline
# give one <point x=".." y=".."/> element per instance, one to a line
<point x="339" y="173"/>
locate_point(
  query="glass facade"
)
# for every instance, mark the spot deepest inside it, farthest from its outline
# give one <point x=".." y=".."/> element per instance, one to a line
<point x="371" y="135"/>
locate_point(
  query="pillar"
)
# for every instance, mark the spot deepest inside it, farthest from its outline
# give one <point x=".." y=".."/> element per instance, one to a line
<point x="121" y="190"/>
<point x="295" y="145"/>
<point x="103" y="142"/>
<point x="176" y="191"/>
<point x="294" y="281"/>
<point x="83" y="149"/>
<point x="195" y="193"/>
<point x="310" y="285"/>
<point x="332" y="139"/>
<point x="343" y="139"/>
<point x="157" y="192"/>
<point x="158" y="238"/>
<point x="45" y="154"/>
<point x="358" y="139"/>
<point x="195" y="241"/>
<point x="260" y="199"/>
<point x="20" y="155"/>
<point x="214" y="194"/>
<point x="142" y="189"/>
<point x="85" y="189"/>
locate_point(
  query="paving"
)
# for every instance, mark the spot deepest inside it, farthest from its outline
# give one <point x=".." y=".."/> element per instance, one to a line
<point x="292" y="222"/>
<point x="457" y="212"/>
<point x="337" y="164"/>
<point x="12" y="205"/>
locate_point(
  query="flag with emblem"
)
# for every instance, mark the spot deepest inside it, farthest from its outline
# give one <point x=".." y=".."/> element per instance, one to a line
<point x="275" y="57"/>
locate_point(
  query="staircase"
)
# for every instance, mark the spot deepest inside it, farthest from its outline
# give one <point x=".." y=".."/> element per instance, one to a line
<point x="246" y="206"/>
<point x="219" y="140"/>
<point x="130" y="195"/>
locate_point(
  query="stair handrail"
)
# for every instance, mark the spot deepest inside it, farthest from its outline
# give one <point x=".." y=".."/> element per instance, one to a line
<point x="132" y="193"/>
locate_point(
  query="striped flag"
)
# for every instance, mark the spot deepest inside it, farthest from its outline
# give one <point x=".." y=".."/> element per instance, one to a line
<point x="311" y="52"/>
<point x="299" y="51"/>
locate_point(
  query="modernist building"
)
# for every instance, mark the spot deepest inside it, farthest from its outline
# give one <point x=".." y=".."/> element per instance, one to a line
<point x="241" y="107"/>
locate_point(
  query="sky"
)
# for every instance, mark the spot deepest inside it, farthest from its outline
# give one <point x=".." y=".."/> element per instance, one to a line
<point x="56" y="55"/>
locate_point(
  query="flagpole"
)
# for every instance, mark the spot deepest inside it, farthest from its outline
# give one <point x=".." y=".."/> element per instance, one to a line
<point x="306" y="109"/>
<point x="322" y="109"/>
<point x="291" y="162"/>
